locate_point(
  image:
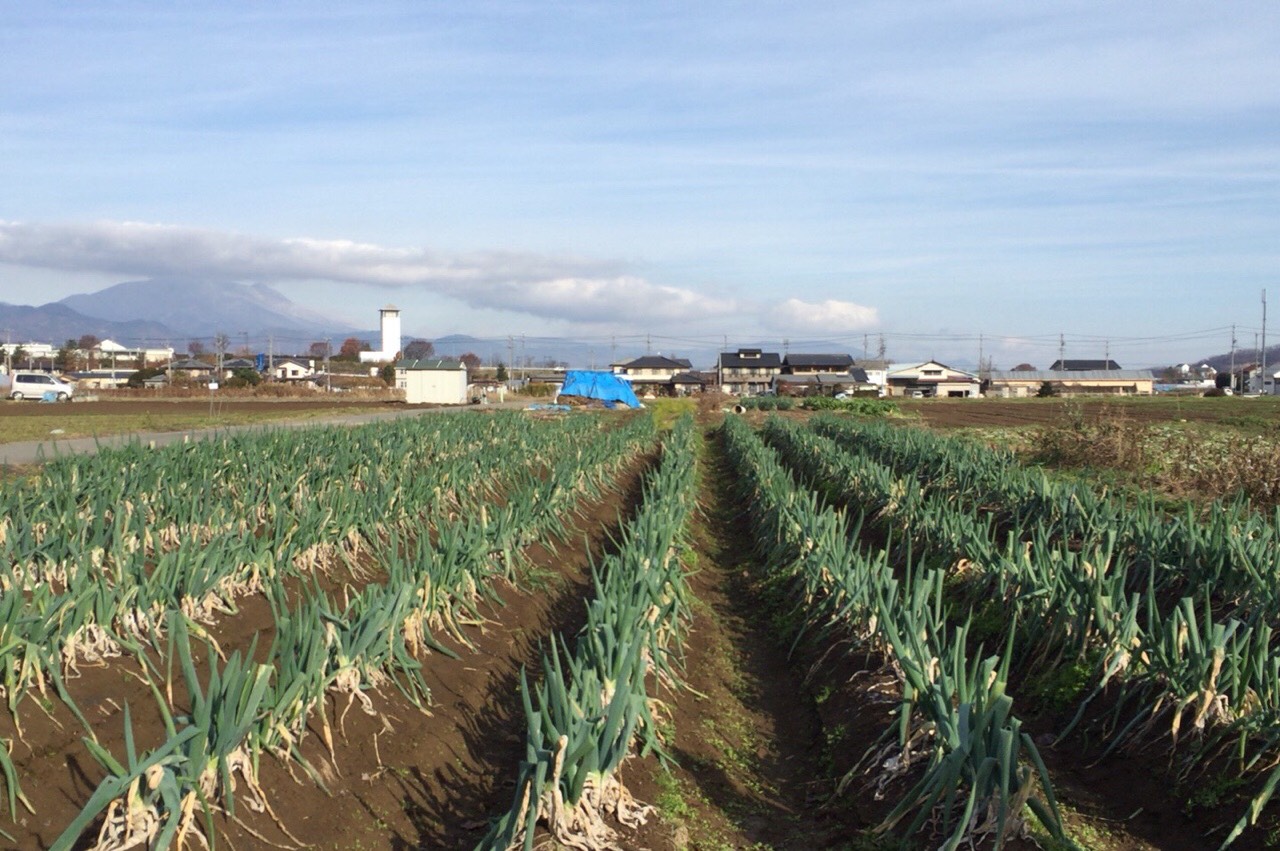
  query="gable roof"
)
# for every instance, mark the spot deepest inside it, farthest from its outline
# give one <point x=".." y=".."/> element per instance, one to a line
<point x="818" y="360"/>
<point x="750" y="358"/>
<point x="1070" y="365"/>
<point x="656" y="362"/>
<point x="436" y="364"/>
<point x="191" y="364"/>
<point x="915" y="371"/>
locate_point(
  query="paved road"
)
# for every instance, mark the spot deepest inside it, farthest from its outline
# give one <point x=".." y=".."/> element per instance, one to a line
<point x="36" y="451"/>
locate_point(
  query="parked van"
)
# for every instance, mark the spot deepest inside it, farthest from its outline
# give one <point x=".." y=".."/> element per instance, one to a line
<point x="34" y="385"/>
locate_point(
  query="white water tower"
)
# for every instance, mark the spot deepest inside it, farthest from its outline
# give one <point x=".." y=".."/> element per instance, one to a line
<point x="390" y="316"/>
<point x="390" y="321"/>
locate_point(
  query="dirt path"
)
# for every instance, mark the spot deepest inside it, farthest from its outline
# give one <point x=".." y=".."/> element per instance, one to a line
<point x="747" y="735"/>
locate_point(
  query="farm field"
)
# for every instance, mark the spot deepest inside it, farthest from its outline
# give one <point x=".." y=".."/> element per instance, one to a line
<point x="24" y="421"/>
<point x="497" y="630"/>
<point x="1260" y="414"/>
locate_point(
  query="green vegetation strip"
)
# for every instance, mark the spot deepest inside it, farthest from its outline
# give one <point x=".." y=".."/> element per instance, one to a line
<point x="956" y="733"/>
<point x="1135" y="597"/>
<point x="59" y="426"/>
<point x="593" y="700"/>
<point x="86" y="575"/>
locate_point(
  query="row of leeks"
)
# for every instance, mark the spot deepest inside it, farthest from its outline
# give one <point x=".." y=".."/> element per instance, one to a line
<point x="592" y="701"/>
<point x="102" y="560"/>
<point x="1228" y="547"/>
<point x="1198" y="667"/>
<point x="370" y="639"/>
<point x="976" y="770"/>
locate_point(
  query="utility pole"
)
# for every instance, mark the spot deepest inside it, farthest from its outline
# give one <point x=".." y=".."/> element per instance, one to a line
<point x="511" y="355"/>
<point x="1233" y="355"/>
<point x="1106" y="356"/>
<point x="980" y="366"/>
<point x="1264" y="342"/>
<point x="328" y="376"/>
<point x="613" y="350"/>
<point x="1062" y="351"/>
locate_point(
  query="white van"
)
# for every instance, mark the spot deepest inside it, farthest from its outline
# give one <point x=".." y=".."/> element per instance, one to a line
<point x="34" y="385"/>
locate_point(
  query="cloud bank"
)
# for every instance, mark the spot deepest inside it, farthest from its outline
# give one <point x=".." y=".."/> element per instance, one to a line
<point x="567" y="288"/>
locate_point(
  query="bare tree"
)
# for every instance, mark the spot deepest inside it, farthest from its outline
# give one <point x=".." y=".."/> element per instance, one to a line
<point x="220" y="344"/>
<point x="419" y="349"/>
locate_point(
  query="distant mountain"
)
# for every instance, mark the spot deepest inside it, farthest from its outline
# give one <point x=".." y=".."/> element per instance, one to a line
<point x="202" y="308"/>
<point x="56" y="323"/>
<point x="1223" y="362"/>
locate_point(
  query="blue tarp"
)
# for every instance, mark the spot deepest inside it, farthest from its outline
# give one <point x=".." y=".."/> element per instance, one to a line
<point x="598" y="385"/>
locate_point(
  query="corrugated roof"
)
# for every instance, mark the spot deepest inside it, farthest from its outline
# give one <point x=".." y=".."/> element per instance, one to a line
<point x="1074" y="375"/>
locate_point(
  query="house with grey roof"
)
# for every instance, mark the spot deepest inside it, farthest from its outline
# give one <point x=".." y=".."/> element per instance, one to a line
<point x="747" y="372"/>
<point x="653" y="373"/>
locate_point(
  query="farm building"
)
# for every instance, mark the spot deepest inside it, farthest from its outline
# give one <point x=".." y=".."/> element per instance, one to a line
<point x="1119" y="382"/>
<point x="432" y="381"/>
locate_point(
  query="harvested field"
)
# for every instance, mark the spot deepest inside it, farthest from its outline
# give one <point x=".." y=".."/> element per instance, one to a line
<point x="1236" y="412"/>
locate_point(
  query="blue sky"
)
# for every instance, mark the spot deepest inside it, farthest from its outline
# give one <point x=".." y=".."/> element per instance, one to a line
<point x="929" y="171"/>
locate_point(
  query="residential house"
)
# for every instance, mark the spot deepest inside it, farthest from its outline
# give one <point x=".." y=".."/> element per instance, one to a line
<point x="747" y="372"/>
<point x="932" y="379"/>
<point x="689" y="382"/>
<point x="818" y="364"/>
<point x="1069" y="365"/>
<point x="853" y="382"/>
<point x="652" y="373"/>
<point x="101" y="379"/>
<point x="117" y="354"/>
<point x="293" y="369"/>
<point x="432" y="381"/>
<point x="229" y="367"/>
<point x="191" y="369"/>
<point x="1020" y="384"/>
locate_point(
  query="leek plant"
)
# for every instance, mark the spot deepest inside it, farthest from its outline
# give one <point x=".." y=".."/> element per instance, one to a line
<point x="1179" y="611"/>
<point x="593" y="701"/>
<point x="955" y="714"/>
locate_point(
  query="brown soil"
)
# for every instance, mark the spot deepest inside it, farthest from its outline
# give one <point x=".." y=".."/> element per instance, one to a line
<point x="1016" y="413"/>
<point x="759" y="736"/>
<point x="400" y="779"/>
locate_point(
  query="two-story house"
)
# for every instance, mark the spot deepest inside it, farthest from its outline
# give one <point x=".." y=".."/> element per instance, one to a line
<point x="654" y="374"/>
<point x="932" y="379"/>
<point x="747" y="372"/>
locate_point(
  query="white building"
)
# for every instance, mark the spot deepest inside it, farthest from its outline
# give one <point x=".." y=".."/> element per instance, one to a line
<point x="389" y="318"/>
<point x="432" y="381"/>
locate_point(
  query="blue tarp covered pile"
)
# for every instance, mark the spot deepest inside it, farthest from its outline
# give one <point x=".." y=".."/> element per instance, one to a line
<point x="604" y="386"/>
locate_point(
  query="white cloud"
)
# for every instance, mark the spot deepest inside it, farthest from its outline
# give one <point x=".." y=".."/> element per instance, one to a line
<point x="566" y="288"/>
<point x="825" y="317"/>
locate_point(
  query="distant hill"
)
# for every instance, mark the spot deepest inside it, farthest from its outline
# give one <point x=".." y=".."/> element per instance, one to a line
<point x="56" y="323"/>
<point x="202" y="308"/>
<point x="1222" y="362"/>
